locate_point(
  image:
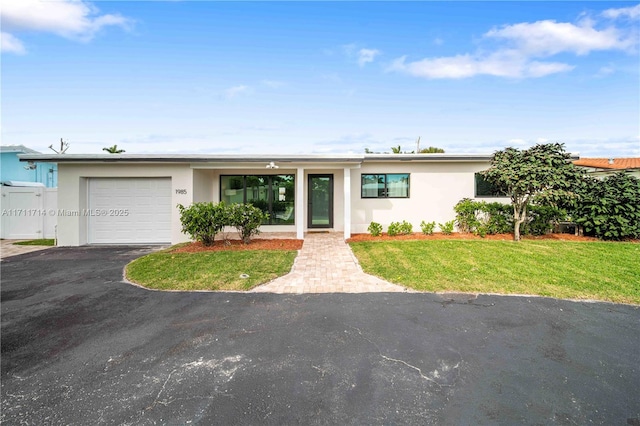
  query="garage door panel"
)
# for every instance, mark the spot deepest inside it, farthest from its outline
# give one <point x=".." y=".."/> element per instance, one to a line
<point x="147" y="201"/>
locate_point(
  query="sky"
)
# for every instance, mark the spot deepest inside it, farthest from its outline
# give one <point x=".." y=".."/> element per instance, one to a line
<point x="213" y="77"/>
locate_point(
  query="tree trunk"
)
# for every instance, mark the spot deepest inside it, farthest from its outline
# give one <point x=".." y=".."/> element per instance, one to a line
<point x="519" y="215"/>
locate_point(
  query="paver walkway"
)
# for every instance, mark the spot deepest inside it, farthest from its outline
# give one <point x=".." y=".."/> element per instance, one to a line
<point x="326" y="265"/>
<point x="8" y="249"/>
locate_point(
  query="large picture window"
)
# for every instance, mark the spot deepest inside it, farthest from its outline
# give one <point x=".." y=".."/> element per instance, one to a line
<point x="385" y="185"/>
<point x="486" y="189"/>
<point x="273" y="194"/>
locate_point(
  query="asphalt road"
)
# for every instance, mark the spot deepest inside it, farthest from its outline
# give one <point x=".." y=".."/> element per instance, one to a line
<point x="81" y="347"/>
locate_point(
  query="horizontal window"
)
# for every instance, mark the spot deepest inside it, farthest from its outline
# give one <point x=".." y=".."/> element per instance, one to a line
<point x="273" y="194"/>
<point x="385" y="185"/>
<point x="486" y="189"/>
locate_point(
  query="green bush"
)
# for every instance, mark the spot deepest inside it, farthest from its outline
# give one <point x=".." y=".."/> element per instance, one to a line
<point x="246" y="219"/>
<point x="375" y="229"/>
<point x="483" y="218"/>
<point x="541" y="219"/>
<point x="447" y="227"/>
<point x="202" y="221"/>
<point x="609" y="208"/>
<point x="400" y="228"/>
<point x="427" y="227"/>
<point x="467" y="214"/>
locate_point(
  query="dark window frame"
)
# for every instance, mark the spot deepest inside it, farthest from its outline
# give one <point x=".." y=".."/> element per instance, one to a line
<point x="270" y="192"/>
<point x="385" y="194"/>
<point x="491" y="191"/>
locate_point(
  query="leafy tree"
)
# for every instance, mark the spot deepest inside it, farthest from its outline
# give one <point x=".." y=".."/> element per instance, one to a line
<point x="431" y="150"/>
<point x="113" y="150"/>
<point x="609" y="208"/>
<point x="396" y="149"/>
<point x="542" y="174"/>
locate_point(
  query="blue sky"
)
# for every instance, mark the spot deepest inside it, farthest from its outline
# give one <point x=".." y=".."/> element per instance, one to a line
<point x="321" y="77"/>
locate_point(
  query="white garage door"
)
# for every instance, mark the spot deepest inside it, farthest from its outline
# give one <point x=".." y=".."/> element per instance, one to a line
<point x="129" y="210"/>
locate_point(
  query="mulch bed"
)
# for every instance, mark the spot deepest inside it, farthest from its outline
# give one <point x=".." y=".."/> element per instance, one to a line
<point x="292" y="244"/>
<point x="237" y="245"/>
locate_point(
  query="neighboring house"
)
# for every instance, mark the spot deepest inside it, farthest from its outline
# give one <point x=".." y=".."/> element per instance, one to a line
<point x="601" y="167"/>
<point x="124" y="198"/>
<point x="13" y="170"/>
<point x="28" y="193"/>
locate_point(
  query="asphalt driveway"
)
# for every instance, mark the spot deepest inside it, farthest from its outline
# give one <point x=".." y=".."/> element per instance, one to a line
<point x="81" y="347"/>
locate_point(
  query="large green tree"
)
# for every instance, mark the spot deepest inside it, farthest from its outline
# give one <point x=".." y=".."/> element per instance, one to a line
<point x="542" y="174"/>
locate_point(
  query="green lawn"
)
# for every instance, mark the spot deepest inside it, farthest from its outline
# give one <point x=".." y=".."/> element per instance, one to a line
<point x="574" y="270"/>
<point x="42" y="242"/>
<point x="219" y="270"/>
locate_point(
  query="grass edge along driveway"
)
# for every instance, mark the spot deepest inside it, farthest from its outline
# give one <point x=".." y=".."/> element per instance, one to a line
<point x="605" y="271"/>
<point x="217" y="270"/>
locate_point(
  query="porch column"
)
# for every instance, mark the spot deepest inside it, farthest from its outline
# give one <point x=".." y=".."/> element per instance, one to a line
<point x="347" y="203"/>
<point x="300" y="203"/>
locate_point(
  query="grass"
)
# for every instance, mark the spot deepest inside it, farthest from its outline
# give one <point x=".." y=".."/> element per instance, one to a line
<point x="41" y="242"/>
<point x="219" y="270"/>
<point x="571" y="270"/>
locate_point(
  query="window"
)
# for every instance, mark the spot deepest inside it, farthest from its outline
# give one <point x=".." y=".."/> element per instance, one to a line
<point x="273" y="194"/>
<point x="387" y="185"/>
<point x="486" y="189"/>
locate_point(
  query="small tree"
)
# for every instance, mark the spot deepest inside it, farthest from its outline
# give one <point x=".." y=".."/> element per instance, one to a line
<point x="543" y="174"/>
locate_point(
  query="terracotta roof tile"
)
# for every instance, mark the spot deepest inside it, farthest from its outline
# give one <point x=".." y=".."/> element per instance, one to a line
<point x="603" y="163"/>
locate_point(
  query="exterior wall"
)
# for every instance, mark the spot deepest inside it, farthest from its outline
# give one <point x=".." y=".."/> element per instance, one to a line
<point x="11" y="168"/>
<point x="73" y="196"/>
<point x="435" y="188"/>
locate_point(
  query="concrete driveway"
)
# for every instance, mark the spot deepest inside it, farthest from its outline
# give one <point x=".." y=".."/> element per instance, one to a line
<point x="81" y="347"/>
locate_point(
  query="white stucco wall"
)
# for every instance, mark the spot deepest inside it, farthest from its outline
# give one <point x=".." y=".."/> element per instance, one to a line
<point x="435" y="188"/>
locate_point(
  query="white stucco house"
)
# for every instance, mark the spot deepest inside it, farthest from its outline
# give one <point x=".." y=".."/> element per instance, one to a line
<point x="132" y="199"/>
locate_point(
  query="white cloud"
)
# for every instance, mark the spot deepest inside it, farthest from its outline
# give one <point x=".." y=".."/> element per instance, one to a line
<point x="361" y="55"/>
<point x="632" y="12"/>
<point x="522" y="46"/>
<point x="367" y="55"/>
<point x="10" y="44"/>
<point x="499" y="64"/>
<point x="76" y="20"/>
<point x="235" y="91"/>
<point x="546" y="38"/>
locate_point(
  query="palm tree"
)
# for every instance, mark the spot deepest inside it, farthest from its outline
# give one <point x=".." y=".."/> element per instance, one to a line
<point x="396" y="149"/>
<point x="114" y="150"/>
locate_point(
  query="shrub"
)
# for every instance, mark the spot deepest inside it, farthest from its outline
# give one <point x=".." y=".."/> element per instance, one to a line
<point x="400" y="228"/>
<point x="467" y="214"/>
<point x="375" y="229"/>
<point x="394" y="229"/>
<point x="202" y="221"/>
<point x="246" y="219"/>
<point x="447" y="227"/>
<point x="427" y="227"/>
<point x="609" y="208"/>
<point x="541" y="219"/>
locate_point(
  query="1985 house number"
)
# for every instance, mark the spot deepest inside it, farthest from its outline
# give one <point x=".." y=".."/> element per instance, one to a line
<point x="181" y="191"/>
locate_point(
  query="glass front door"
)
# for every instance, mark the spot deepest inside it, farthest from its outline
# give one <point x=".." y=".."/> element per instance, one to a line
<point x="320" y="201"/>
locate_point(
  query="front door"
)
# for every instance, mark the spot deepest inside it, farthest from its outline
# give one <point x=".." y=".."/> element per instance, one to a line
<point x="320" y="201"/>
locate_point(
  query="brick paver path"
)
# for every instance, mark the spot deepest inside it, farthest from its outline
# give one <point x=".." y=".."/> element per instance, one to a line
<point x="326" y="265"/>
